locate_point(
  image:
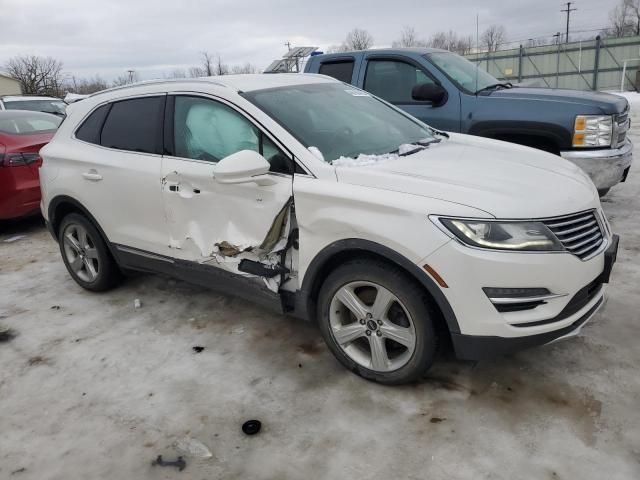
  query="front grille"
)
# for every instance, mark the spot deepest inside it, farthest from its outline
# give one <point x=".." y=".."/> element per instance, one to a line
<point x="579" y="233"/>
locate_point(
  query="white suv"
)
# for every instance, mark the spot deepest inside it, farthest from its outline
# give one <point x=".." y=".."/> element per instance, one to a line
<point x="319" y="200"/>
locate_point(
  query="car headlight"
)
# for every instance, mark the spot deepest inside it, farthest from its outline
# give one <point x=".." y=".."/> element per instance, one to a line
<point x="503" y="235"/>
<point x="593" y="131"/>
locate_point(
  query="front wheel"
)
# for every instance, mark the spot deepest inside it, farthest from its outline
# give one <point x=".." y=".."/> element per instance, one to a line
<point x="377" y="322"/>
<point x="86" y="255"/>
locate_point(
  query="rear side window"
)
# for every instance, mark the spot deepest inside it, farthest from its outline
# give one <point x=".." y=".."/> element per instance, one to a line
<point x="135" y="125"/>
<point x="342" y="70"/>
<point x="89" y="131"/>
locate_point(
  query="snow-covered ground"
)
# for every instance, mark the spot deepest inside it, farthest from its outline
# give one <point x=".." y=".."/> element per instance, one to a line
<point x="93" y="388"/>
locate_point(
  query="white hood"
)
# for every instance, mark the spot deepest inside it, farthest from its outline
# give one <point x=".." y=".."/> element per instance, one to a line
<point x="503" y="179"/>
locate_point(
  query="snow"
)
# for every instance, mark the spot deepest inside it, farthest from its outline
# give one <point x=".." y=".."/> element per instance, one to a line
<point x="364" y="160"/>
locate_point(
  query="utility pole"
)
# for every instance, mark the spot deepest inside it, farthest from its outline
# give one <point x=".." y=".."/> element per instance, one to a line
<point x="131" y="72"/>
<point x="568" y="11"/>
<point x="288" y="45"/>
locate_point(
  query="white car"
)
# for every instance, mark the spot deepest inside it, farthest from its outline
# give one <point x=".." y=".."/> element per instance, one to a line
<point x="319" y="200"/>
<point x="34" y="103"/>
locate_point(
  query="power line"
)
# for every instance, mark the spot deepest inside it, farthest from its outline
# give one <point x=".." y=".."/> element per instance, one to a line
<point x="568" y="10"/>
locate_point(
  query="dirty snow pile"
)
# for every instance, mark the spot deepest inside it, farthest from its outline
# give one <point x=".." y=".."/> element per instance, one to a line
<point x="363" y="160"/>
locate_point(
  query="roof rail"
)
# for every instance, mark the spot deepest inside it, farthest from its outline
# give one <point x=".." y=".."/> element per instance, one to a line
<point x="144" y="83"/>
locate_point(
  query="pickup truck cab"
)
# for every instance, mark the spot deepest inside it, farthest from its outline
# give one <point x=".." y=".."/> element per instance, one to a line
<point x="450" y="93"/>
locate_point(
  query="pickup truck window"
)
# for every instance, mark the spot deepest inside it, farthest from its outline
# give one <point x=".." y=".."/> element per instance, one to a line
<point x="393" y="80"/>
<point x="467" y="76"/>
<point x="339" y="120"/>
<point x="340" y="70"/>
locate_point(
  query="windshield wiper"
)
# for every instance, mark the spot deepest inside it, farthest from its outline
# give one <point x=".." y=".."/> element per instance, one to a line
<point x="418" y="146"/>
<point x="495" y="86"/>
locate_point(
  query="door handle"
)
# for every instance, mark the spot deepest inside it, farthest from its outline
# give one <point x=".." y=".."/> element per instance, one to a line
<point x="92" y="176"/>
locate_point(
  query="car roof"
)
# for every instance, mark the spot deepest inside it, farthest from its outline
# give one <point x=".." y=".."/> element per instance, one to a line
<point x="11" y="114"/>
<point x="239" y="83"/>
<point x="18" y="98"/>
<point x="415" y="50"/>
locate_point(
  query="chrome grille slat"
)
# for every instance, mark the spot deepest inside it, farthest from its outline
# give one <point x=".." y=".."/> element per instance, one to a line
<point x="569" y="222"/>
<point x="588" y="248"/>
<point x="584" y="242"/>
<point x="574" y="229"/>
<point x="580" y="233"/>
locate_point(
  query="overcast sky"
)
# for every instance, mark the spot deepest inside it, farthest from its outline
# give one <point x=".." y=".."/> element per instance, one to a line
<point x="154" y="37"/>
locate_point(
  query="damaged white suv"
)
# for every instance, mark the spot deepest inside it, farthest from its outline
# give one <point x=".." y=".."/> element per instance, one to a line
<point x="319" y="200"/>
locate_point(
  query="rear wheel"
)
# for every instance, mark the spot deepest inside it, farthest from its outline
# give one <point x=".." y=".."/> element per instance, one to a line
<point x="86" y="255"/>
<point x="377" y="322"/>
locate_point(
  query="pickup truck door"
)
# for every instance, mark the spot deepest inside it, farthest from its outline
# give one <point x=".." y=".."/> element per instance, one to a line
<point x="392" y="77"/>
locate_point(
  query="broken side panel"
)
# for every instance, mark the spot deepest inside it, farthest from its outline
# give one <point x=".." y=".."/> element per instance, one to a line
<point x="223" y="224"/>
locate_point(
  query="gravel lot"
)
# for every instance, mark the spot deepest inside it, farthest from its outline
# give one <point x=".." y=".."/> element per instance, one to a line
<point x="93" y="388"/>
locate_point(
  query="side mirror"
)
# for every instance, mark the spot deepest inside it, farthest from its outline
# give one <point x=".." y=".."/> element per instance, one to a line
<point x="245" y="166"/>
<point x="429" y="92"/>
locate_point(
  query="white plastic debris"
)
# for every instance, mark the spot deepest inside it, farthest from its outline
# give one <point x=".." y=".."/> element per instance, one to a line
<point x="238" y="330"/>
<point x="137" y="304"/>
<point x="15" y="238"/>
<point x="192" y="447"/>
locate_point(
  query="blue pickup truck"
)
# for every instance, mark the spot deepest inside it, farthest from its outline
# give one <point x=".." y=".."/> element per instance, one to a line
<point x="450" y="93"/>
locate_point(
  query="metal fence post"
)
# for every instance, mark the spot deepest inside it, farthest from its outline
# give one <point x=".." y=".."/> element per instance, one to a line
<point x="520" y="64"/>
<point x="596" y="64"/>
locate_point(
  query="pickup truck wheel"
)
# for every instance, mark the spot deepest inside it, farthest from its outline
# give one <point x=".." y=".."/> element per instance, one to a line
<point x="86" y="255"/>
<point x="603" y="191"/>
<point x="377" y="322"/>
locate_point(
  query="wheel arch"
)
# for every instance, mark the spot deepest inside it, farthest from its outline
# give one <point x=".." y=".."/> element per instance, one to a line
<point x="525" y="133"/>
<point x="334" y="254"/>
<point x="63" y="205"/>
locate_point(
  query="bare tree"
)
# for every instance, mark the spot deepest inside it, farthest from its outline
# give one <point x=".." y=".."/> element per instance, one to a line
<point x="493" y="36"/>
<point x="633" y="9"/>
<point x="450" y="41"/>
<point x="408" y="38"/>
<point x="176" y="73"/>
<point x="85" y="86"/>
<point x="130" y="77"/>
<point x="358" y="39"/>
<point x="211" y="65"/>
<point x="620" y="21"/>
<point x="39" y="75"/>
<point x="246" y="68"/>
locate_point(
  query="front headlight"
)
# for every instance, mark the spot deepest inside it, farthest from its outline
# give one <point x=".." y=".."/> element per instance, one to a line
<point x="593" y="131"/>
<point x="503" y="235"/>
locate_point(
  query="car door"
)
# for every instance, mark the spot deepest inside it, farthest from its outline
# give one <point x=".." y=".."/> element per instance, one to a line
<point x="210" y="222"/>
<point x="115" y="168"/>
<point x="393" y="78"/>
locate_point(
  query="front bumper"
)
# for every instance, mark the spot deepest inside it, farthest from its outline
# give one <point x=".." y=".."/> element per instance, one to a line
<point x="484" y="331"/>
<point x="605" y="167"/>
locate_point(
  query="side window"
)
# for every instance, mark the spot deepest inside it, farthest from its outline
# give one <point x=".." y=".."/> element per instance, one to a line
<point x="135" y="125"/>
<point x="89" y="131"/>
<point x="393" y="80"/>
<point x="208" y="130"/>
<point x="342" y="70"/>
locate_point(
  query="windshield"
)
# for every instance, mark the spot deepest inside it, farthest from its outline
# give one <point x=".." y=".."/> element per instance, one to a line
<point x="56" y="107"/>
<point x="338" y="120"/>
<point x="461" y="71"/>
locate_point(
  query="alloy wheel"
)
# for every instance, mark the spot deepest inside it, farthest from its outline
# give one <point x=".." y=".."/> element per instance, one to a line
<point x="81" y="253"/>
<point x="372" y="326"/>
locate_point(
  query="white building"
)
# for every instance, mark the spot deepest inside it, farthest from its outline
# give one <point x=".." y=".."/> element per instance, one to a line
<point x="9" y="85"/>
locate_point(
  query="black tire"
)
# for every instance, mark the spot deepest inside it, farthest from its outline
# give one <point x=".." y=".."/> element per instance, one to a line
<point x="107" y="274"/>
<point x="412" y="297"/>
<point x="603" y="191"/>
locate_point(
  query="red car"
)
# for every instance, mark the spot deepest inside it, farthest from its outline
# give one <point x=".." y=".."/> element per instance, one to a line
<point x="22" y="135"/>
